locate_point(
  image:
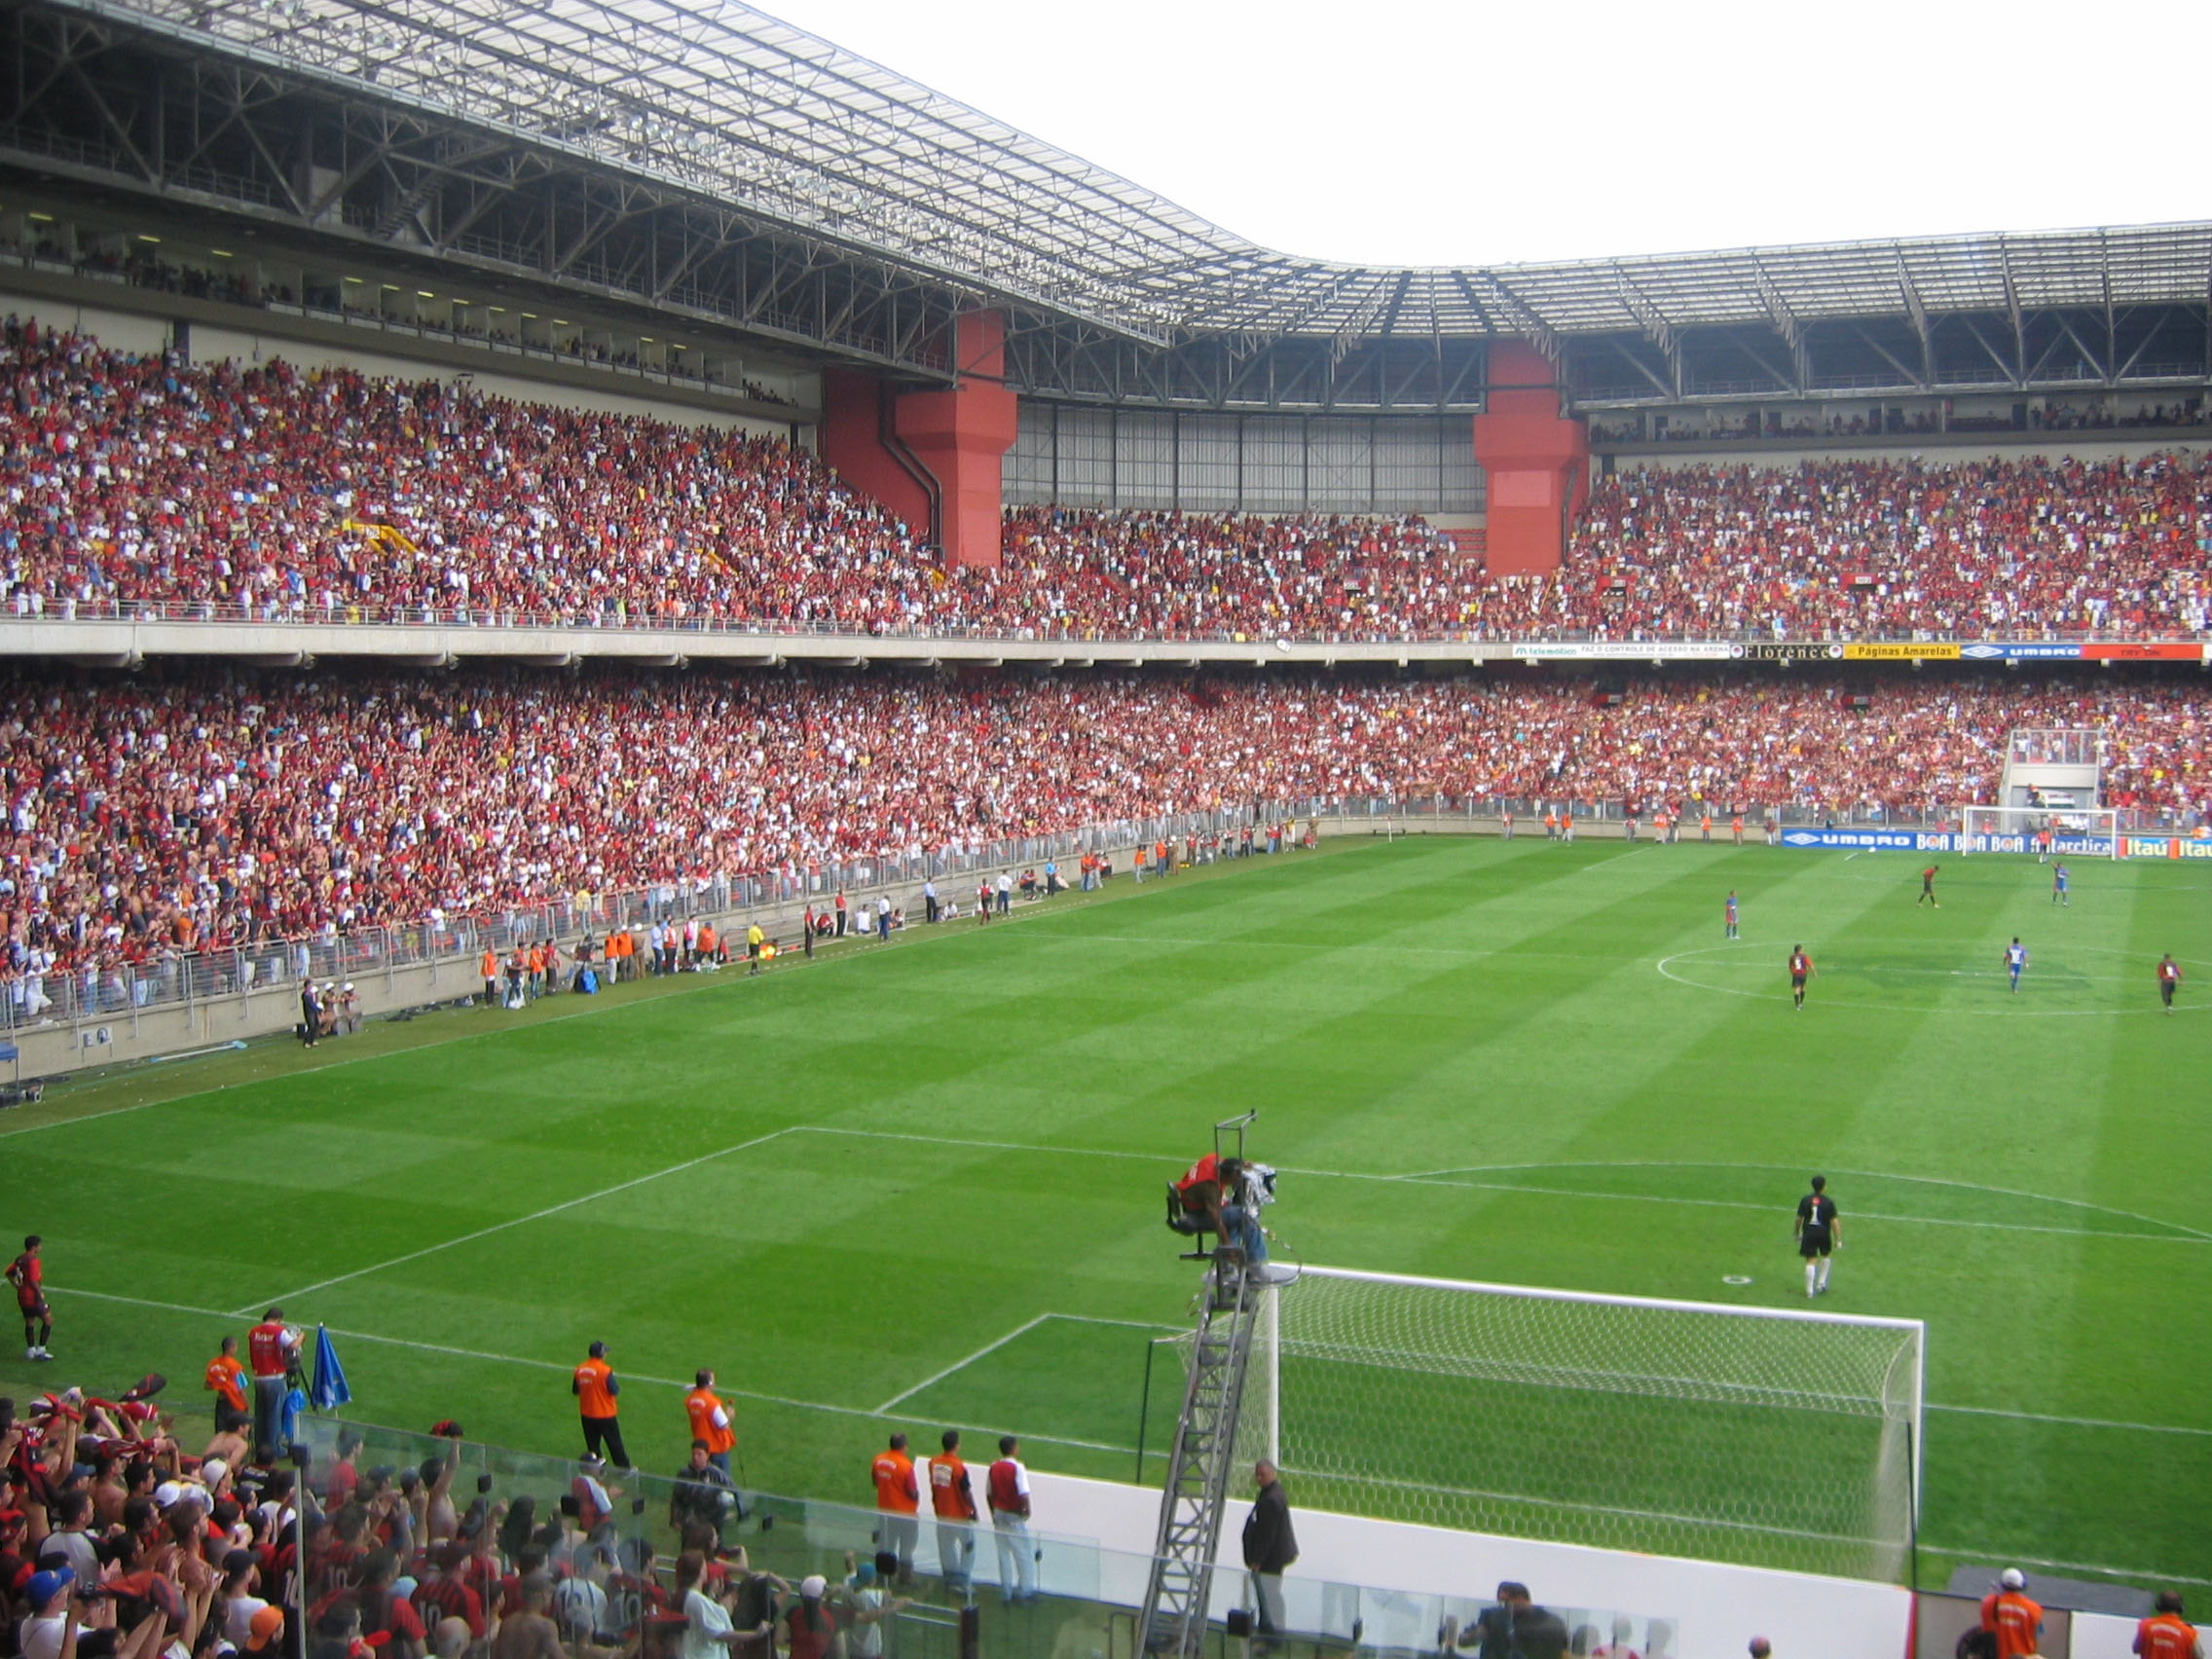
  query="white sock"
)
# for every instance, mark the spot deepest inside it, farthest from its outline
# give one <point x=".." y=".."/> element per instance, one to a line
<point x="1811" y="1285"/>
<point x="1823" y="1272"/>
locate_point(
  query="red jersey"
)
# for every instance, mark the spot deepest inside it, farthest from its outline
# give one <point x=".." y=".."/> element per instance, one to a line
<point x="1207" y="1168"/>
<point x="2017" y="1620"/>
<point x="595" y="1395"/>
<point x="226" y="1376"/>
<point x="704" y="1409"/>
<point x="1007" y="1484"/>
<point x="1800" y="965"/>
<point x="895" y="1487"/>
<point x="267" y="1348"/>
<point x="949" y="1494"/>
<point x="26" y="1273"/>
<point x="2167" y="1636"/>
<point x="2169" y="972"/>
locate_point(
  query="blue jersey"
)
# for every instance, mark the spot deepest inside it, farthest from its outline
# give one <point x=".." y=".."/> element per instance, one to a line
<point x="2058" y="880"/>
<point x="2016" y="957"/>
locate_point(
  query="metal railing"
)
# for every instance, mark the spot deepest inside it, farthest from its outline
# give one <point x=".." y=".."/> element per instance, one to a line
<point x="301" y="611"/>
<point x="962" y="1578"/>
<point x="109" y="987"/>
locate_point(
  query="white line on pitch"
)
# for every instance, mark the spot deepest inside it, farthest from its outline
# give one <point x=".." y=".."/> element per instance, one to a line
<point x="556" y="1365"/>
<point x="518" y="1221"/>
<point x="2072" y="1422"/>
<point x="2134" y="1574"/>
<point x="1053" y="1439"/>
<point x="1021" y="1330"/>
<point x="2184" y="1236"/>
<point x="1739" y="1204"/>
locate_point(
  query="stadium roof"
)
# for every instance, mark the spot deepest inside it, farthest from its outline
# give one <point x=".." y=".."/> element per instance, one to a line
<point x="727" y="100"/>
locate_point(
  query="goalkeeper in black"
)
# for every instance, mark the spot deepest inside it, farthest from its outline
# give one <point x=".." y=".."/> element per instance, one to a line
<point x="1819" y="1233"/>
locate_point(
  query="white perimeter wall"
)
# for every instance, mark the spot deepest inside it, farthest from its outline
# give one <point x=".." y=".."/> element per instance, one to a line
<point x="2082" y="446"/>
<point x="1716" y="1609"/>
<point x="118" y="331"/>
<point x="2099" y="1636"/>
<point x="211" y="344"/>
<point x="127" y="331"/>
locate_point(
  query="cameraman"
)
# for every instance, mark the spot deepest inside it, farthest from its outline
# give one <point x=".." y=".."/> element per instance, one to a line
<point x="1224" y="1194"/>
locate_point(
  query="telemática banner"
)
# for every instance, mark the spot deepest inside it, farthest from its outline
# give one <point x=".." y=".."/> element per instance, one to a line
<point x="1626" y="651"/>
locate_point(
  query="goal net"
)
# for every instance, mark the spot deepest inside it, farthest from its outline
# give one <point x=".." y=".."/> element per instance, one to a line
<point x="1767" y="1437"/>
<point x="2075" y="832"/>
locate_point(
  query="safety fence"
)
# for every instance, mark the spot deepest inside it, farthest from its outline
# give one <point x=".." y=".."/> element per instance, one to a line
<point x="919" y="1589"/>
<point x="109" y="986"/>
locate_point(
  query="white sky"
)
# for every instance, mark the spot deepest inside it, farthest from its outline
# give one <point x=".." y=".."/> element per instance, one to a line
<point x="1470" y="132"/>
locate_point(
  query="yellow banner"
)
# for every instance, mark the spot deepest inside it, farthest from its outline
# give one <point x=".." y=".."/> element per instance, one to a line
<point x="1904" y="650"/>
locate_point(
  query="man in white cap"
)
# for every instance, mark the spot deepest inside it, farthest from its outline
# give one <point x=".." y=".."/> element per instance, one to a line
<point x="2009" y="1614"/>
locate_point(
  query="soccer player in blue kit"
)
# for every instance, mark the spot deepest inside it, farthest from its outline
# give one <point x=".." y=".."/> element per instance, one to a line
<point x="2015" y="959"/>
<point x="2058" y="887"/>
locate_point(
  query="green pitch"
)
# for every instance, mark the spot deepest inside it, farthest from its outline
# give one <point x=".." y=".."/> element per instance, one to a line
<point x="921" y="1185"/>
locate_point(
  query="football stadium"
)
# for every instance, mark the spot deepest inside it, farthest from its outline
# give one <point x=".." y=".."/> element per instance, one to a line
<point x="783" y="876"/>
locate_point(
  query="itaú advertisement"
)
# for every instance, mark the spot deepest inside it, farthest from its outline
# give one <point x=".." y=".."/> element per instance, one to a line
<point x="2166" y="847"/>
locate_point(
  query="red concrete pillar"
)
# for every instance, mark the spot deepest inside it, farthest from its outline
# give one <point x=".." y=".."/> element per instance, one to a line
<point x="857" y="439"/>
<point x="1535" y="459"/>
<point x="959" y="436"/>
<point x="932" y="457"/>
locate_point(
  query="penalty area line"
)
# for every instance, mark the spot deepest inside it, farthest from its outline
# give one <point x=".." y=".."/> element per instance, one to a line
<point x="1021" y="1330"/>
<point x="679" y="1385"/>
<point x="516" y="1221"/>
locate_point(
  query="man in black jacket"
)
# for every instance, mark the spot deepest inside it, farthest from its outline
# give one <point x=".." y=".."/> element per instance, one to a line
<point x="1514" y="1628"/>
<point x="1269" y="1546"/>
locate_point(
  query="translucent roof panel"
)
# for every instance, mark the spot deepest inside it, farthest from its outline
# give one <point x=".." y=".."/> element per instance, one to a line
<point x="729" y="101"/>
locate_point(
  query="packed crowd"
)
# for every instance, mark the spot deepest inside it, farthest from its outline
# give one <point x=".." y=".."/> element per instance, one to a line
<point x="1843" y="548"/>
<point x="147" y="486"/>
<point x="117" y="1540"/>
<point x="286" y="496"/>
<point x="120" y="1539"/>
<point x="1213" y="575"/>
<point x="2044" y="417"/>
<point x="149" y="817"/>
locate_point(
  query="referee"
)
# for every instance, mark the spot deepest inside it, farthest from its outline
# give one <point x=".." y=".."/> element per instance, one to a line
<point x="1819" y="1233"/>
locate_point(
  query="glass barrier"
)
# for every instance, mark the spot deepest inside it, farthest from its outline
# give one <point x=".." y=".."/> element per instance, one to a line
<point x="610" y="1541"/>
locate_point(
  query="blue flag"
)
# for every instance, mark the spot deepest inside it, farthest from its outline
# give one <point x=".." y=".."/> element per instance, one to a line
<point x="330" y="1390"/>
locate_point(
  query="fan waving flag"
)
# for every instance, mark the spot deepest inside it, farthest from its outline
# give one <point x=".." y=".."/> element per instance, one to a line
<point x="330" y="1390"/>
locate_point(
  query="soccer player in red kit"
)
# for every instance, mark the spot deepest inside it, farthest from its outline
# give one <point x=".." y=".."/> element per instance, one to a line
<point x="1800" y="969"/>
<point x="27" y="1273"/>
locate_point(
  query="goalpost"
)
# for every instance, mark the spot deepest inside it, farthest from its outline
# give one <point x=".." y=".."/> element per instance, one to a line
<point x="2076" y="831"/>
<point x="1765" y="1436"/>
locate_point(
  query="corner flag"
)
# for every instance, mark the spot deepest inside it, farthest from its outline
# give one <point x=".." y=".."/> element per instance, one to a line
<point x="330" y="1390"/>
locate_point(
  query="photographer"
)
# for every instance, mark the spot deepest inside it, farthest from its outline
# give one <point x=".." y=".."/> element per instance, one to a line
<point x="702" y="1496"/>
